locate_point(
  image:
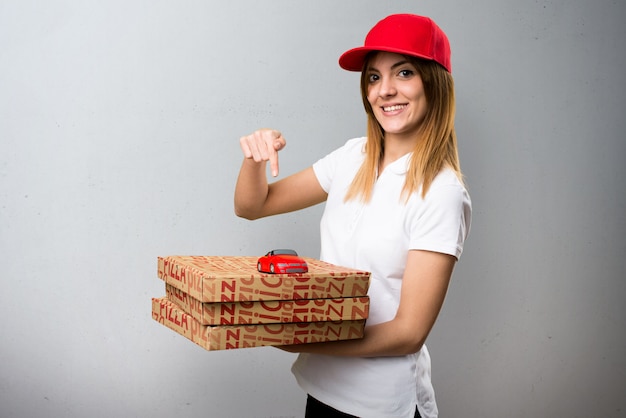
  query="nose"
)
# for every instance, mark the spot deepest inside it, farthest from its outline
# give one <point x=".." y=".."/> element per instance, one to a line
<point x="387" y="87"/>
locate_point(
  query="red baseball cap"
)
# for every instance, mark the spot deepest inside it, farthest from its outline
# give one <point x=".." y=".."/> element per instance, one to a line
<point x="405" y="34"/>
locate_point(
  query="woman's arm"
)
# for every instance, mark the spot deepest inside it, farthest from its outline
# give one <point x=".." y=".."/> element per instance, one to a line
<point x="254" y="197"/>
<point x="424" y="286"/>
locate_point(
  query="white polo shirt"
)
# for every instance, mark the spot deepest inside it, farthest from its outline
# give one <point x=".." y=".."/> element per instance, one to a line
<point x="376" y="237"/>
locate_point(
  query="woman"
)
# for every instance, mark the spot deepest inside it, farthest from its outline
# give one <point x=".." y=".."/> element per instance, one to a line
<point x="395" y="206"/>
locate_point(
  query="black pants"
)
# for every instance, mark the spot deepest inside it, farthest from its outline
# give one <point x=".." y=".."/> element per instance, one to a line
<point x="317" y="409"/>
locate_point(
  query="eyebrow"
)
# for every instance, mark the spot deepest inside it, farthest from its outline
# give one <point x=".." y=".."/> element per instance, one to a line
<point x="394" y="66"/>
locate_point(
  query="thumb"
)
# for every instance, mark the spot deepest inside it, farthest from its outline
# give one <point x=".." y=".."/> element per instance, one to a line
<point x="279" y="142"/>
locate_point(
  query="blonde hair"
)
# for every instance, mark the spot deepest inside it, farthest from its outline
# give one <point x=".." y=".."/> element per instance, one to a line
<point x="436" y="147"/>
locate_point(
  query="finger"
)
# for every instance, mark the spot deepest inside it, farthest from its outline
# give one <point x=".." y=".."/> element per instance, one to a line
<point x="257" y="147"/>
<point x="251" y="149"/>
<point x="274" y="163"/>
<point x="245" y="147"/>
<point x="277" y="144"/>
<point x="263" y="143"/>
<point x="272" y="141"/>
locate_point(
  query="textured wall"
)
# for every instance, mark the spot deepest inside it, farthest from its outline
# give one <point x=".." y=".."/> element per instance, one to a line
<point x="119" y="127"/>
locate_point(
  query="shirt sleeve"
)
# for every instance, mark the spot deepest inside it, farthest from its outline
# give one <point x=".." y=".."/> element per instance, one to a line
<point x="441" y="223"/>
<point x="347" y="155"/>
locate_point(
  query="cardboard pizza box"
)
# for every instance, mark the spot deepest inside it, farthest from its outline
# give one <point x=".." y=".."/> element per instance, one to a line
<point x="270" y="311"/>
<point x="225" y="337"/>
<point x="236" y="279"/>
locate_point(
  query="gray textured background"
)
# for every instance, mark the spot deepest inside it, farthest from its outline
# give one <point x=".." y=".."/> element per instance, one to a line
<point x="119" y="127"/>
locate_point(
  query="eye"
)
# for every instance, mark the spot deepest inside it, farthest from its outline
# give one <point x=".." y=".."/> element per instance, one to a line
<point x="372" y="78"/>
<point x="406" y="73"/>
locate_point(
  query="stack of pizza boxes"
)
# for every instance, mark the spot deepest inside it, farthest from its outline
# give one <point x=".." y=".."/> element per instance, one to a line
<point x="224" y="302"/>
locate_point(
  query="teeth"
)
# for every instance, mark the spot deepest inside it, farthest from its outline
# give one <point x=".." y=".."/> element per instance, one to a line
<point x="392" y="108"/>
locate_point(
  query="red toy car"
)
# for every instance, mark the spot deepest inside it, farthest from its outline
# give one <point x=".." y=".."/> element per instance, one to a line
<point x="282" y="261"/>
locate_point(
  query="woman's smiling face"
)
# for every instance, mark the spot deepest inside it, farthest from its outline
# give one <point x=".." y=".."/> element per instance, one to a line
<point x="396" y="93"/>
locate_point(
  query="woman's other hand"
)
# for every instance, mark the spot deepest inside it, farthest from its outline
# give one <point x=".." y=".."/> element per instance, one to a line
<point x="263" y="145"/>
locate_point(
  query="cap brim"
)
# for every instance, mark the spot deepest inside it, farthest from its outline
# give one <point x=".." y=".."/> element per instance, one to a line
<point x="353" y="59"/>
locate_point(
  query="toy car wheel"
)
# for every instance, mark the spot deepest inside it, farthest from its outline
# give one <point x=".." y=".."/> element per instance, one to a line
<point x="258" y="266"/>
<point x="271" y="268"/>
